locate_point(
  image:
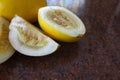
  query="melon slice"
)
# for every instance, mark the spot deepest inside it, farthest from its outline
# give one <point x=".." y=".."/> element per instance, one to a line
<point x="6" y="50"/>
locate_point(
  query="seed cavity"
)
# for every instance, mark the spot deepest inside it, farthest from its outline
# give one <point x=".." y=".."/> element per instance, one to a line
<point x="60" y="18"/>
<point x="4" y="42"/>
<point x="31" y="39"/>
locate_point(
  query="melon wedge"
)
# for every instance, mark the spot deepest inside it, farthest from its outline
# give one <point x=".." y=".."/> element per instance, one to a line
<point x="27" y="39"/>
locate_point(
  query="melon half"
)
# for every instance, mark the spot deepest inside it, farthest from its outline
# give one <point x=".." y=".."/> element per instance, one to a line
<point x="61" y="24"/>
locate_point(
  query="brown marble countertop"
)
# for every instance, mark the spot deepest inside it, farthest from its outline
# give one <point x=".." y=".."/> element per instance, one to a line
<point x="95" y="57"/>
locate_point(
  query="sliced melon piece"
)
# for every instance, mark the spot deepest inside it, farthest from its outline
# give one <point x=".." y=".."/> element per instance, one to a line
<point x="6" y="50"/>
<point x="29" y="40"/>
<point x="61" y="24"/>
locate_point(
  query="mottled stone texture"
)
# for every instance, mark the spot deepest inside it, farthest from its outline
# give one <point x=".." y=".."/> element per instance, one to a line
<point x="95" y="57"/>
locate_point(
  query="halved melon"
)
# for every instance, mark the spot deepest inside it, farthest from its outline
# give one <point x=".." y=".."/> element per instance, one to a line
<point x="61" y="24"/>
<point x="29" y="40"/>
<point x="6" y="50"/>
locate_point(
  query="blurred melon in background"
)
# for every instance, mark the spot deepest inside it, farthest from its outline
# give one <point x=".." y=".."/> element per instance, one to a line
<point x="76" y="6"/>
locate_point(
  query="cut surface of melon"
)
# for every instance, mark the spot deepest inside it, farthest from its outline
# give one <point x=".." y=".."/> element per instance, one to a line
<point x="29" y="40"/>
<point x="60" y="23"/>
<point x="6" y="50"/>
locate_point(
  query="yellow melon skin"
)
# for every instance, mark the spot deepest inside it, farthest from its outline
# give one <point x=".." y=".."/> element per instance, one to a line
<point x="25" y="8"/>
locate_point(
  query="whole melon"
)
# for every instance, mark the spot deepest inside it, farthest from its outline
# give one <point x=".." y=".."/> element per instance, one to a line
<point x="27" y="9"/>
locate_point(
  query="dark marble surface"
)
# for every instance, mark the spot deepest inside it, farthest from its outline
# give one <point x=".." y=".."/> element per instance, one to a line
<point x="95" y="57"/>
